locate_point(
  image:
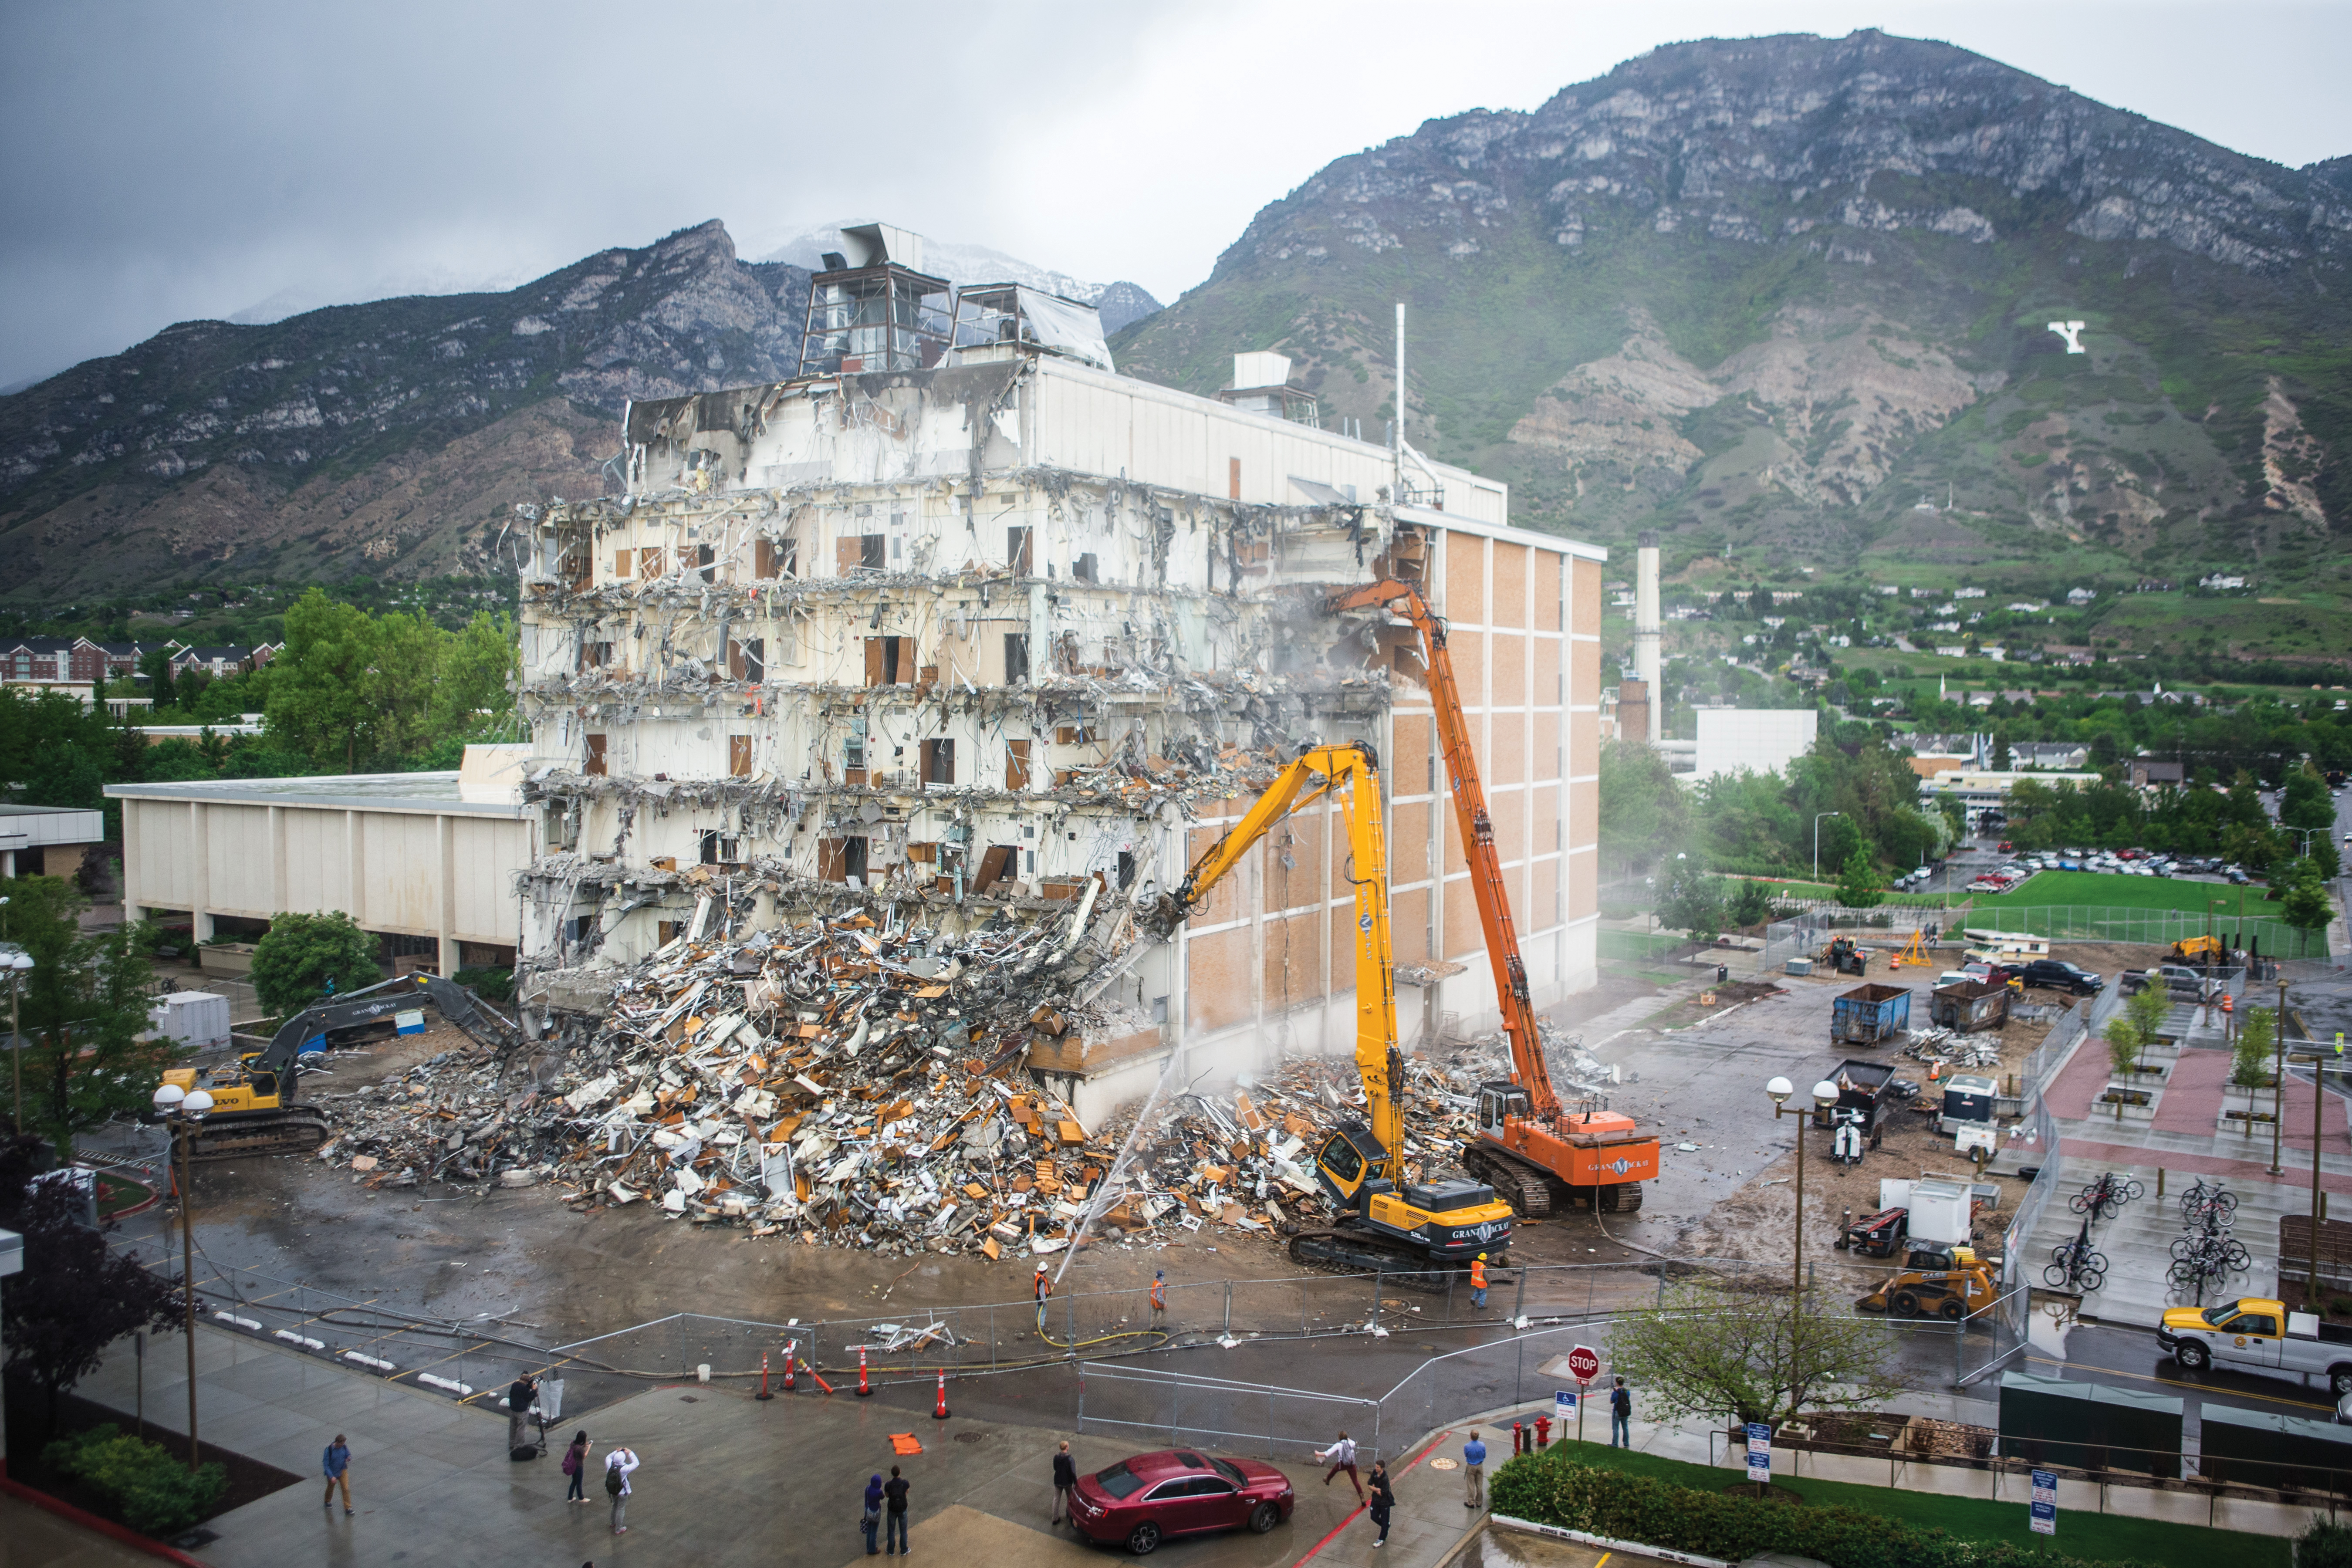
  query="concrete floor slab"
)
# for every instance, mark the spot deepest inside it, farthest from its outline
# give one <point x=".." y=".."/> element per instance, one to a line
<point x="30" y="1535"/>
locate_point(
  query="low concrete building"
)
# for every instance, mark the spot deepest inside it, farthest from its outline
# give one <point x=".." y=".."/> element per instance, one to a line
<point x="427" y="860"/>
<point x="47" y="840"/>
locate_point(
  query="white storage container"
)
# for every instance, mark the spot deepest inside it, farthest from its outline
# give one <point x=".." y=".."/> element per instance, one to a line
<point x="1940" y="1213"/>
<point x="195" y="1018"/>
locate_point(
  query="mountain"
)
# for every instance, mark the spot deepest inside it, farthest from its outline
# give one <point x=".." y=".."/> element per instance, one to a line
<point x="391" y="439"/>
<point x="1120" y="304"/>
<point x="1788" y="300"/>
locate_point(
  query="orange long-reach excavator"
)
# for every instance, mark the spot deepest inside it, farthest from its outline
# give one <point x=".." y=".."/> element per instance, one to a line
<point x="1536" y="1154"/>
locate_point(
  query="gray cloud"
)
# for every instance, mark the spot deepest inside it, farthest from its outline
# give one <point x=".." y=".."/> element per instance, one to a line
<point x="173" y="161"/>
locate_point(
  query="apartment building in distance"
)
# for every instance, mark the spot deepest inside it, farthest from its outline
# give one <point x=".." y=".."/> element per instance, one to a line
<point x="959" y="625"/>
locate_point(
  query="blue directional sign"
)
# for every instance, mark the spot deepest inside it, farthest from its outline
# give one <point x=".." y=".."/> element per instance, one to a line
<point x="2045" y="1503"/>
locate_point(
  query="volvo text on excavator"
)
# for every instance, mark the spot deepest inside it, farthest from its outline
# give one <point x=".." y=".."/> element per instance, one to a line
<point x="1387" y="1223"/>
<point x="1533" y="1150"/>
<point x="254" y="1109"/>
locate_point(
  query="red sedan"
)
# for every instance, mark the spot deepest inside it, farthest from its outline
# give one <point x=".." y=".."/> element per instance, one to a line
<point x="1142" y="1501"/>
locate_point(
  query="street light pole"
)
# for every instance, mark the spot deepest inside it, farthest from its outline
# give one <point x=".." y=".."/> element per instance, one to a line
<point x="181" y="1111"/>
<point x="17" y="963"/>
<point x="1825" y="1094"/>
<point x="2278" y="1081"/>
<point x="2318" y="1093"/>
<point x="1817" y="843"/>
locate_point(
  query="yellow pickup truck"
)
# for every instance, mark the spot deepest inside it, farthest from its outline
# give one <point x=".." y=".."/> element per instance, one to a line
<point x="2255" y="1333"/>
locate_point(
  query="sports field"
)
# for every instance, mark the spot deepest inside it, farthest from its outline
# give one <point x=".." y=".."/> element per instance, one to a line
<point x="2103" y="905"/>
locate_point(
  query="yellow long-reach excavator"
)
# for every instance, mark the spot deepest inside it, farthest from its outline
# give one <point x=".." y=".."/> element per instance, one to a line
<point x="1387" y="1224"/>
<point x="1535" y="1151"/>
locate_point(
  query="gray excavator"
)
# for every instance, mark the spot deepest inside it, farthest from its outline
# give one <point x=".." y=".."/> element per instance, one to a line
<point x="254" y="1109"/>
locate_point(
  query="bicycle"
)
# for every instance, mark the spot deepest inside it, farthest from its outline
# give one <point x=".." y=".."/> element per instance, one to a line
<point x="2074" y="1264"/>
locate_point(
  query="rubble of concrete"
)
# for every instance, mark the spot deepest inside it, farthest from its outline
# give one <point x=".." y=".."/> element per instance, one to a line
<point x="879" y="1084"/>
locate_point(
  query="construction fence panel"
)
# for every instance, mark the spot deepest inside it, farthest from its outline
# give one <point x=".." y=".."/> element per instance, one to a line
<point x="1252" y="1419"/>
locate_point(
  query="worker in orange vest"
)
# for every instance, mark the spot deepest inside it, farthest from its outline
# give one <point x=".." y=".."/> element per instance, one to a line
<point x="1159" y="1297"/>
<point x="1478" y="1281"/>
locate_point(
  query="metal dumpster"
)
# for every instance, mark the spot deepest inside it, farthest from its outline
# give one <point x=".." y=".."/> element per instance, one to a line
<point x="1968" y="1005"/>
<point x="1870" y="1014"/>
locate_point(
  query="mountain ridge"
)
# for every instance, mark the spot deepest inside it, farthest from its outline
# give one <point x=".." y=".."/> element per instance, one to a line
<point x="1768" y="296"/>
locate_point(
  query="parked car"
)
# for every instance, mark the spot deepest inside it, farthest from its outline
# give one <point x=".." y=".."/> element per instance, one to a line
<point x="2057" y="974"/>
<point x="2006" y="847"/>
<point x="1145" y="1499"/>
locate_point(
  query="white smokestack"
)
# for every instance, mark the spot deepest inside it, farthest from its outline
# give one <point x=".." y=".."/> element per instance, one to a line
<point x="1645" y="629"/>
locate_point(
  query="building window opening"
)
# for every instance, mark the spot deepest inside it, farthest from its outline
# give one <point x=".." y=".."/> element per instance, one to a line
<point x="746" y="661"/>
<point x="889" y="661"/>
<point x="1017" y="659"/>
<point x="1084" y="569"/>
<point x="939" y="761"/>
<point x="1016" y="764"/>
<point x="706" y="558"/>
<point x="594" y="763"/>
<point x="1126" y="869"/>
<point x="1021" y="552"/>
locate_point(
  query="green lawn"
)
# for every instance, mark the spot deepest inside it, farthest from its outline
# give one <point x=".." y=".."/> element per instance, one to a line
<point x="2094" y="905"/>
<point x="2091" y="1536"/>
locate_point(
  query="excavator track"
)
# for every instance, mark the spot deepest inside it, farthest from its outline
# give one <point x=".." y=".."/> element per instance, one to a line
<point x="297" y="1130"/>
<point x="1521" y="1185"/>
<point x="1624" y="1198"/>
<point x="1345" y="1252"/>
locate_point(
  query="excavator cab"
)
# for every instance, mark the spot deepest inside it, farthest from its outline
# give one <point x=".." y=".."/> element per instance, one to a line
<point x="1497" y="1101"/>
<point x="1448" y="1222"/>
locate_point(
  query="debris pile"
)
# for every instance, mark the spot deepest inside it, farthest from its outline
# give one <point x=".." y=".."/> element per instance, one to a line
<point x="847" y="1082"/>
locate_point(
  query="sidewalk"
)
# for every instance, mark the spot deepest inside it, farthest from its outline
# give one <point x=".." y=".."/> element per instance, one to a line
<point x="724" y="1479"/>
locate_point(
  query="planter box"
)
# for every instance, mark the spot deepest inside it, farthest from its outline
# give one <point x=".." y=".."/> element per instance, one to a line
<point x="2127" y="1102"/>
<point x="225" y="958"/>
<point x="2236" y="1119"/>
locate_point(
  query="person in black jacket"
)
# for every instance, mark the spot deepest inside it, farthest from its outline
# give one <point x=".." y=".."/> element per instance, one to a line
<point x="894" y="1515"/>
<point x="1066" y="1476"/>
<point x="519" y="1398"/>
<point x="1383" y="1498"/>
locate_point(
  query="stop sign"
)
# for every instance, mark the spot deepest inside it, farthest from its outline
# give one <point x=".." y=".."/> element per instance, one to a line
<point x="1585" y="1363"/>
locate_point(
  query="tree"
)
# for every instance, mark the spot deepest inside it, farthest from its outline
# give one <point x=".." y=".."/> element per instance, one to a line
<point x="1692" y="900"/>
<point x="1741" y="1353"/>
<point x="2305" y="802"/>
<point x="85" y="1008"/>
<point x="400" y="682"/>
<point x="1643" y="815"/>
<point x="2251" y="1064"/>
<point x="157" y="668"/>
<point x="2307" y="906"/>
<point x="1753" y="904"/>
<point x="2124" y="1042"/>
<point x="75" y="1296"/>
<point x="304" y="954"/>
<point x="1858" y="886"/>
<point x="481" y="667"/>
<point x="321" y="700"/>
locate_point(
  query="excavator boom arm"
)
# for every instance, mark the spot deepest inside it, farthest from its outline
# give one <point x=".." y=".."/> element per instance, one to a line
<point x="1349" y="771"/>
<point x="1477" y="836"/>
<point x="453" y="1000"/>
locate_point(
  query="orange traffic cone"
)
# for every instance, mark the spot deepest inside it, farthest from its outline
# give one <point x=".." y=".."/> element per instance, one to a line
<point x="788" y="1368"/>
<point x="864" y="1387"/>
<point x="939" y="1410"/>
<point x="763" y="1393"/>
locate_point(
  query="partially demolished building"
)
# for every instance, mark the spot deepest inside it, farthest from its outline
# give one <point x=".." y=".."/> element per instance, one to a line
<point x="961" y="633"/>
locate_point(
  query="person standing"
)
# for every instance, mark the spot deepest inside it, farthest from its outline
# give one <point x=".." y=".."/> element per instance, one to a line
<point x="519" y="1394"/>
<point x="870" y="1522"/>
<point x="1620" y="1415"/>
<point x="1384" y="1500"/>
<point x="1473" y="1472"/>
<point x="619" y="1466"/>
<point x="1066" y="1476"/>
<point x="1341" y="1455"/>
<point x="1478" y="1281"/>
<point x="893" y="1522"/>
<point x="1159" y="1298"/>
<point x="575" y="1464"/>
<point x="1041" y="1286"/>
<point x="337" y="1463"/>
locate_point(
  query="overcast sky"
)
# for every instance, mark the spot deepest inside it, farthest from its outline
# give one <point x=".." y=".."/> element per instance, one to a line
<point x="168" y="162"/>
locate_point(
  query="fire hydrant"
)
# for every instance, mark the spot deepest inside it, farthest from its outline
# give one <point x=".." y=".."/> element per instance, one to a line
<point x="1543" y="1431"/>
<point x="1518" y="1437"/>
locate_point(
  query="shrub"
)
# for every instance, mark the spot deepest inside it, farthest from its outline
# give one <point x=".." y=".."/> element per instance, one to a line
<point x="293" y="965"/>
<point x="153" y="1492"/>
<point x="1552" y="1487"/>
<point x="2324" y="1545"/>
